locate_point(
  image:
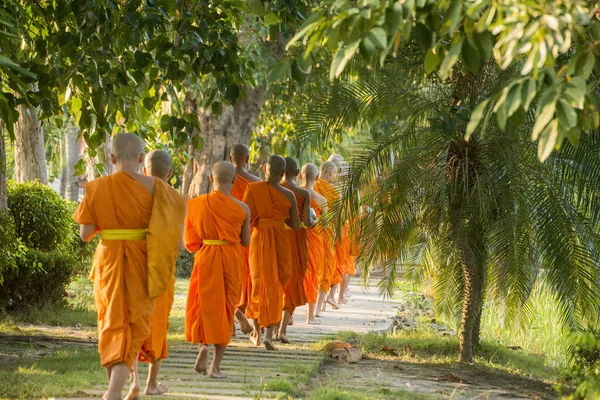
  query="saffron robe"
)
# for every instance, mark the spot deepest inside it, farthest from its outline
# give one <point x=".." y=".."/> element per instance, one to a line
<point x="216" y="280"/>
<point x="155" y="346"/>
<point x="270" y="257"/>
<point x="237" y="191"/>
<point x="294" y="294"/>
<point x="316" y="259"/>
<point x="120" y="270"/>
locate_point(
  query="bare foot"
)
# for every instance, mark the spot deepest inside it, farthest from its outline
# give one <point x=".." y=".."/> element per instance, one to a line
<point x="155" y="390"/>
<point x="269" y="345"/>
<point x="255" y="338"/>
<point x="314" y="321"/>
<point x="318" y="315"/>
<point x="134" y="393"/>
<point x="283" y="339"/>
<point x="245" y="326"/>
<point x="291" y="321"/>
<point x="202" y="361"/>
<point x="217" y="375"/>
<point x="333" y="304"/>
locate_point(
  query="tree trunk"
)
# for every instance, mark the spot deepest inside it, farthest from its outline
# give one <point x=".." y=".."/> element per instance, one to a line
<point x="30" y="156"/>
<point x="63" y="161"/>
<point x="72" y="151"/>
<point x="100" y="165"/>
<point x="233" y="126"/>
<point x="3" y="195"/>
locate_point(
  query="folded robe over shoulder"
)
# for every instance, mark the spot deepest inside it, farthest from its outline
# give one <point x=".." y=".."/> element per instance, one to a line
<point x="238" y="191"/>
<point x="315" y="271"/>
<point x="270" y="258"/>
<point x="121" y="272"/>
<point x="215" y="283"/>
<point x="294" y="294"/>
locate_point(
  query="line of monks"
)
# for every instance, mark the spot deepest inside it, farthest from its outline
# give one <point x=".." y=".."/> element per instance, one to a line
<point x="259" y="254"/>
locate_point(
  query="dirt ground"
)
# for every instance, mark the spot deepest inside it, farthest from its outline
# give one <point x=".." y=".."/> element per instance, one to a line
<point x="434" y="380"/>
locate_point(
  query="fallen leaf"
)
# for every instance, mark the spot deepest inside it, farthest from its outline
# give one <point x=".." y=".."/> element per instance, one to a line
<point x="389" y="351"/>
<point x="453" y="379"/>
<point x="336" y="344"/>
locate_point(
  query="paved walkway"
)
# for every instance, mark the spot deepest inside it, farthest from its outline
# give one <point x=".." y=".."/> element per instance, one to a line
<point x="257" y="373"/>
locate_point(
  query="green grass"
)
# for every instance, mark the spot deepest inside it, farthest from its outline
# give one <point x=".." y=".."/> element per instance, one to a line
<point x="329" y="392"/>
<point x="60" y="374"/>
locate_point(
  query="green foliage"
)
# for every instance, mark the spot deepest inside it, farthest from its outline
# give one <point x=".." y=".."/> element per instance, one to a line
<point x="185" y="265"/>
<point x="10" y="245"/>
<point x="555" y="47"/>
<point x="585" y="364"/>
<point x="42" y="218"/>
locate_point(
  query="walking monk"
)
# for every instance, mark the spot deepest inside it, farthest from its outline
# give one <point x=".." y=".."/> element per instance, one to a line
<point x="271" y="207"/>
<point x="139" y="219"/>
<point x="216" y="228"/>
<point x="321" y="263"/>
<point x="294" y="294"/>
<point x="240" y="158"/>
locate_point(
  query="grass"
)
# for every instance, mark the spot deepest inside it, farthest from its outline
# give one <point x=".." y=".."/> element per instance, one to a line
<point x="330" y="392"/>
<point x="61" y="373"/>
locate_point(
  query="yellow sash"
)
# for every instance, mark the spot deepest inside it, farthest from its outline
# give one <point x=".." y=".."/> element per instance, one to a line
<point x="123" y="234"/>
<point x="301" y="226"/>
<point x="214" y="242"/>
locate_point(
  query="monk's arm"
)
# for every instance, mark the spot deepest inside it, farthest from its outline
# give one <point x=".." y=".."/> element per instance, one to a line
<point x="306" y="210"/>
<point x="181" y="246"/>
<point x="190" y="237"/>
<point x="245" y="234"/>
<point x="87" y="232"/>
<point x="293" y="219"/>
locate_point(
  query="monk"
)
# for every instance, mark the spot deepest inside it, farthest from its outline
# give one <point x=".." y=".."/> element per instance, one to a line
<point x="217" y="227"/>
<point x="240" y="158"/>
<point x="139" y="219"/>
<point x="272" y="207"/>
<point x="294" y="294"/>
<point x="323" y="186"/>
<point x="320" y="257"/>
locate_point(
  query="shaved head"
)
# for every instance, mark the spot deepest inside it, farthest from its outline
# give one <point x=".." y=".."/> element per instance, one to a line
<point x="291" y="166"/>
<point x="223" y="172"/>
<point x="276" y="165"/>
<point x="239" y="152"/>
<point x="159" y="163"/>
<point x="310" y="172"/>
<point x="127" y="147"/>
<point x="328" y="167"/>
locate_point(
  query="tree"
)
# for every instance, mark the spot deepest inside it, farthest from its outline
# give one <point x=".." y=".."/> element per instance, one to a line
<point x="482" y="216"/>
<point x="72" y="158"/>
<point x="539" y="37"/>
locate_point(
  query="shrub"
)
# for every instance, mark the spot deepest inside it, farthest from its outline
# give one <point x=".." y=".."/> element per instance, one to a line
<point x="42" y="218"/>
<point x="40" y="278"/>
<point x="83" y="251"/>
<point x="585" y="364"/>
<point x="9" y="244"/>
<point x="185" y="265"/>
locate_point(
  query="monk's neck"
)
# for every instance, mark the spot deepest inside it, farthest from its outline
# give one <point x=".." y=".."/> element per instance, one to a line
<point x="310" y="186"/>
<point x="131" y="169"/>
<point x="290" y="182"/>
<point x="224" y="190"/>
<point x="240" y="170"/>
<point x="273" y="182"/>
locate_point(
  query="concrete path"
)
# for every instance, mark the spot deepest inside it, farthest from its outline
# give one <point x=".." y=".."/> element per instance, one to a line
<point x="256" y="373"/>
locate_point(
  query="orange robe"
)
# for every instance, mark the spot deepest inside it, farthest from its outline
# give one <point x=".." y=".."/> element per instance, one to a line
<point x="216" y="280"/>
<point x="294" y="294"/>
<point x="237" y="191"/>
<point x="155" y="346"/>
<point x="315" y="270"/>
<point x="270" y="258"/>
<point x="121" y="272"/>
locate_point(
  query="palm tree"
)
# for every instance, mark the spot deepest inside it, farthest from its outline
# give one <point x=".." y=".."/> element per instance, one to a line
<point x="483" y="216"/>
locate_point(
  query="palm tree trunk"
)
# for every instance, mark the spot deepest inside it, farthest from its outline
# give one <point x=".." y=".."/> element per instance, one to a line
<point x="72" y="152"/>
<point x="63" y="162"/>
<point x="3" y="194"/>
<point x="30" y="156"/>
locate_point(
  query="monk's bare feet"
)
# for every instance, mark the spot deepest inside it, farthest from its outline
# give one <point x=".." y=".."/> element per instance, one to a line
<point x="333" y="304"/>
<point x="269" y="345"/>
<point x="313" y="321"/>
<point x="245" y="326"/>
<point x="201" y="366"/>
<point x="156" y="390"/>
<point x="282" y="338"/>
<point x="217" y="375"/>
<point x="255" y="338"/>
<point x="134" y="393"/>
<point x="291" y="321"/>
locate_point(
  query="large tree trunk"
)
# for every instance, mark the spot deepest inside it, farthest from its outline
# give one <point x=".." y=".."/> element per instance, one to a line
<point x="3" y="195"/>
<point x="30" y="156"/>
<point x="233" y="126"/>
<point x="72" y="152"/>
<point x="63" y="162"/>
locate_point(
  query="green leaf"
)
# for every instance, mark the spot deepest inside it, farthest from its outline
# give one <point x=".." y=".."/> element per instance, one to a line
<point x="476" y="116"/>
<point x="470" y="55"/>
<point x="394" y="17"/>
<point x="165" y="123"/>
<point x="501" y="116"/>
<point x="379" y="37"/>
<point x="342" y="56"/>
<point x="595" y="30"/>
<point x="149" y="103"/>
<point x="452" y="17"/>
<point x="528" y="92"/>
<point x="312" y="22"/>
<point x="75" y="104"/>
<point x="232" y="93"/>
<point x="575" y="92"/>
<point x="548" y="140"/>
<point x="432" y="60"/>
<point x="198" y="143"/>
<point x="545" y="112"/>
<point x="280" y="71"/>
<point x="271" y="18"/>
<point x="585" y="65"/>
<point x="297" y="73"/>
<point x="256" y="7"/>
<point x="450" y="59"/>
<point x="485" y="44"/>
<point x="513" y="100"/>
<point x="567" y="116"/>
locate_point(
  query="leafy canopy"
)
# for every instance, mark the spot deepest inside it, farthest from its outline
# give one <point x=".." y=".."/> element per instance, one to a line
<point x="554" y="43"/>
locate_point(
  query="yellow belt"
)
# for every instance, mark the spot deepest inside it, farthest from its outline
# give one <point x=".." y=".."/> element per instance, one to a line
<point x="123" y="234"/>
<point x="301" y="226"/>
<point x="265" y="223"/>
<point x="214" y="242"/>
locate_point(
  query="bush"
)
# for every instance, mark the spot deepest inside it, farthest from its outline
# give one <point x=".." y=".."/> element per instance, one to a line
<point x="10" y="244"/>
<point x="42" y="218"/>
<point x="84" y="252"/>
<point x="185" y="265"/>
<point x="585" y="364"/>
